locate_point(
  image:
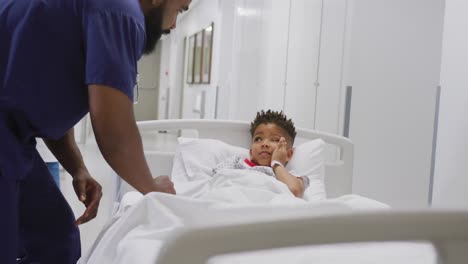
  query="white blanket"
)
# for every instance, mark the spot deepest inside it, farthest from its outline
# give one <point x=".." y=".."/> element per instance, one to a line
<point x="142" y="223"/>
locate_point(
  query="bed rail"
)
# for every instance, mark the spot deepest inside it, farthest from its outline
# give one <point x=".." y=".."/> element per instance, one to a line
<point x="447" y="230"/>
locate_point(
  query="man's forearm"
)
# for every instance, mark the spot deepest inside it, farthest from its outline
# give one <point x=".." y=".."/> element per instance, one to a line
<point x="118" y="137"/>
<point x="67" y="152"/>
<point x="122" y="149"/>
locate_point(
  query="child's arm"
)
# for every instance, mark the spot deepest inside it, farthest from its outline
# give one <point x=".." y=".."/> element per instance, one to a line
<point x="295" y="184"/>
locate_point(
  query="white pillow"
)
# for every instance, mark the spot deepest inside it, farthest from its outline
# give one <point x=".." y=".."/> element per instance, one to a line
<point x="196" y="158"/>
<point x="309" y="160"/>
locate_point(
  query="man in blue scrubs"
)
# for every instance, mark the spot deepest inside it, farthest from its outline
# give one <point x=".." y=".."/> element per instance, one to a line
<point x="60" y="59"/>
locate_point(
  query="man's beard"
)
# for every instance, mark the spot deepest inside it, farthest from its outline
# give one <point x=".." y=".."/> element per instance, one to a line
<point x="154" y="31"/>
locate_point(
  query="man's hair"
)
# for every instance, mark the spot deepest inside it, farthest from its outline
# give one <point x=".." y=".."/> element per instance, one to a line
<point x="277" y="118"/>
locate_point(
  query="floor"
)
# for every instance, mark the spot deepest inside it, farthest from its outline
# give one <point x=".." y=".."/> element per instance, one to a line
<point x="101" y="171"/>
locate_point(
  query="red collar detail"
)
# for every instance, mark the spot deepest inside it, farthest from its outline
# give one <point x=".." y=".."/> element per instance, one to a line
<point x="250" y="163"/>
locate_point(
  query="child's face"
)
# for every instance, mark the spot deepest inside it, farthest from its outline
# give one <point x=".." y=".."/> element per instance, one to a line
<point x="265" y="141"/>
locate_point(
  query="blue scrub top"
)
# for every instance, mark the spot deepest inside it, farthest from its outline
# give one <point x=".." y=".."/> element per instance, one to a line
<point x="50" y="50"/>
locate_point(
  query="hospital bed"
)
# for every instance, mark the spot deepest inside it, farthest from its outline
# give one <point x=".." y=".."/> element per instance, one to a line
<point x="446" y="231"/>
<point x="338" y="167"/>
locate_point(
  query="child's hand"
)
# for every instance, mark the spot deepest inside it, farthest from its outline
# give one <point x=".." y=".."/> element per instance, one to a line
<point x="281" y="152"/>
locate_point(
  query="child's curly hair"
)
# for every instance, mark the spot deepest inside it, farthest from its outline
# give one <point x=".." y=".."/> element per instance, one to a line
<point x="277" y="118"/>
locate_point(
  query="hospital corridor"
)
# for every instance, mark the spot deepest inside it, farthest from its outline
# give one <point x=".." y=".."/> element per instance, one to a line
<point x="234" y="131"/>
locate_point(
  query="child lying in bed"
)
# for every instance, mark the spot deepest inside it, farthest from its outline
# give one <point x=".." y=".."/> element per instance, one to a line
<point x="273" y="136"/>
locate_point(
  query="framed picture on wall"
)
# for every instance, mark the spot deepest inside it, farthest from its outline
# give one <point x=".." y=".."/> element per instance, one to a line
<point x="207" y="53"/>
<point x="190" y="58"/>
<point x="199" y="56"/>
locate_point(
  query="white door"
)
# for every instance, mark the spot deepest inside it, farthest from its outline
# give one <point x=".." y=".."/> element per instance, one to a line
<point x="394" y="66"/>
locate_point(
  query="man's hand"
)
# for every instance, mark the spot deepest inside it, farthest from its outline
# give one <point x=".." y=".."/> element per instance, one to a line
<point x="164" y="184"/>
<point x="281" y="152"/>
<point x="89" y="192"/>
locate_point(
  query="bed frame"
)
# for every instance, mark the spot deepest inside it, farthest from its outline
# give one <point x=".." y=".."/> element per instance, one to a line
<point x="447" y="230"/>
<point x="338" y="167"/>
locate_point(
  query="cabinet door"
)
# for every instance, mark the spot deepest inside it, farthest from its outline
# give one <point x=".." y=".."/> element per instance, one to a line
<point x="276" y="51"/>
<point x="394" y="67"/>
<point x="329" y="109"/>
<point x="302" y="61"/>
<point x="259" y="56"/>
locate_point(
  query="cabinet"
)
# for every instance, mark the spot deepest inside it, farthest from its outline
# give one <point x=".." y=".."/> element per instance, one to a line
<point x="286" y="55"/>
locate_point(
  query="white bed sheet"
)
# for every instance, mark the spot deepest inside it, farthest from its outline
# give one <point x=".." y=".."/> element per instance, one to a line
<point x="142" y="223"/>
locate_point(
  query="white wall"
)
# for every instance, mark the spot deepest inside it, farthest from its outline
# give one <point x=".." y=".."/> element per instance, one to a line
<point x="225" y="87"/>
<point x="394" y="69"/>
<point x="148" y="86"/>
<point x="244" y="61"/>
<point x="329" y="109"/>
<point x="451" y="170"/>
<point x="253" y="58"/>
<point x="182" y="95"/>
<point x="164" y="95"/>
<point x="248" y="59"/>
<point x="303" y="61"/>
<point x="276" y="34"/>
